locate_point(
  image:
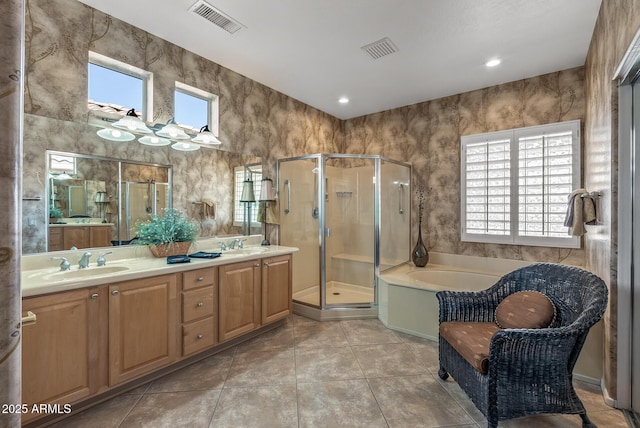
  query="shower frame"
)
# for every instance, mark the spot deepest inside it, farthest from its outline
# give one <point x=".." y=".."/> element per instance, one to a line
<point x="344" y="310"/>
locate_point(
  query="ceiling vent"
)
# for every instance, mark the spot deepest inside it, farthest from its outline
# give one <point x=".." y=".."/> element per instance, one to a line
<point x="382" y="47"/>
<point x="216" y="16"/>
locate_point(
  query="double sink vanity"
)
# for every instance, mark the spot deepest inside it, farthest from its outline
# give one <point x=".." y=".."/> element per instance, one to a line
<point x="101" y="330"/>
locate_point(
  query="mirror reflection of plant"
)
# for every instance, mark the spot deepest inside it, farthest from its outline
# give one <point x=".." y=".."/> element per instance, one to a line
<point x="172" y="227"/>
<point x="55" y="212"/>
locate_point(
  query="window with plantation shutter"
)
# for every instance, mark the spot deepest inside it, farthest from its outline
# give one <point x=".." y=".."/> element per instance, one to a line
<point x="515" y="183"/>
<point x="240" y="174"/>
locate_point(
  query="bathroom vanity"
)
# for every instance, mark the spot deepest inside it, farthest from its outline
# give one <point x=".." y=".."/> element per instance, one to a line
<point x="102" y="330"/>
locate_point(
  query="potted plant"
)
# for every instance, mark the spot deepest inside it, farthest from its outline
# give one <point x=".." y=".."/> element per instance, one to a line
<point x="169" y="235"/>
<point x="54" y="214"/>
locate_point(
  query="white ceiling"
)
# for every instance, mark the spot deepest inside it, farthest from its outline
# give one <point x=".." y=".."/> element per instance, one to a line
<point x="310" y="49"/>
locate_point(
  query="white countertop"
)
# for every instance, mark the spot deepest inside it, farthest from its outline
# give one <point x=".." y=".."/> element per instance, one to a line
<point x="41" y="275"/>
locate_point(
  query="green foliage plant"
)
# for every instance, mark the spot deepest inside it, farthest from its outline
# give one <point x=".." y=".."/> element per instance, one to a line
<point x="55" y="212"/>
<point x="170" y="228"/>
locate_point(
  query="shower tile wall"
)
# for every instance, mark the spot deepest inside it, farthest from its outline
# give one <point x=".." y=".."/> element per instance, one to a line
<point x="256" y="120"/>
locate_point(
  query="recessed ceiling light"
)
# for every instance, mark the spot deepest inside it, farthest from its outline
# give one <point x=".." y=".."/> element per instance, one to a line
<point x="343" y="100"/>
<point x="493" y="62"/>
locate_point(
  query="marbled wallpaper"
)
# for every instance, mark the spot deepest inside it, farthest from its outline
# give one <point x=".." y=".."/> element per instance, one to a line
<point x="617" y="24"/>
<point x="428" y="135"/>
<point x="258" y="121"/>
<point x="255" y="121"/>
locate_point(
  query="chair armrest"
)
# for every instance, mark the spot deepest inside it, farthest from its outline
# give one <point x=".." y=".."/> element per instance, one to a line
<point x="534" y="353"/>
<point x="477" y="306"/>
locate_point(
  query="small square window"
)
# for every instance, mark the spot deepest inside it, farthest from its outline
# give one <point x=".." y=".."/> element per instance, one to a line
<point x="112" y="82"/>
<point x="195" y="108"/>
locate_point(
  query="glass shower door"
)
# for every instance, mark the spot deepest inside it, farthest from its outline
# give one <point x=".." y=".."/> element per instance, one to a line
<point x="299" y="222"/>
<point x="349" y="202"/>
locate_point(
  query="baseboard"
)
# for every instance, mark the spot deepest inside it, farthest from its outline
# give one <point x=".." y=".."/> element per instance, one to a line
<point x="586" y="379"/>
<point x="607" y="398"/>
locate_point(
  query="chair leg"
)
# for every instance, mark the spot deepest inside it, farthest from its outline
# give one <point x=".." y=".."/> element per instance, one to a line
<point x="443" y="373"/>
<point x="586" y="422"/>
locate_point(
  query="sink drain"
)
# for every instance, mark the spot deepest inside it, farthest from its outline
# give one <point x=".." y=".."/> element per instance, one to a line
<point x="335" y="293"/>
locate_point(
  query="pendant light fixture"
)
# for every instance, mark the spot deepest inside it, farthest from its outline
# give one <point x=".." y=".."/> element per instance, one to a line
<point x="172" y="131"/>
<point x="185" y="146"/>
<point x="152" y="140"/>
<point x="115" y="134"/>
<point x="206" y="137"/>
<point x="132" y="123"/>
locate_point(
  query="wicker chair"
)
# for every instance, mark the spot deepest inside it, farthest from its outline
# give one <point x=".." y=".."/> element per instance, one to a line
<point x="529" y="370"/>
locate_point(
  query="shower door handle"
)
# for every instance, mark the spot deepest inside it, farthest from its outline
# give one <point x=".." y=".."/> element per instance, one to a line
<point x="400" y="194"/>
<point x="288" y="184"/>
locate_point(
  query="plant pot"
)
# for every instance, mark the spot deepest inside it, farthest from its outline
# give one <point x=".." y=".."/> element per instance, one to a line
<point x="170" y="249"/>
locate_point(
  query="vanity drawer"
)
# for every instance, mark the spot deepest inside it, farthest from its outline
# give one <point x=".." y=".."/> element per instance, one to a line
<point x="199" y="278"/>
<point x="197" y="304"/>
<point x="198" y="335"/>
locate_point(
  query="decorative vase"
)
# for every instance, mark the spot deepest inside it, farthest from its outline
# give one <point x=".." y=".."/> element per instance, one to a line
<point x="170" y="249"/>
<point x="420" y="255"/>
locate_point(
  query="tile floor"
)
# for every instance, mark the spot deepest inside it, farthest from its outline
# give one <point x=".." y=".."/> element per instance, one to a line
<point x="354" y="373"/>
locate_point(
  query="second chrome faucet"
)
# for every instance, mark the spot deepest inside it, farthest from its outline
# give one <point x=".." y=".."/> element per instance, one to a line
<point x="84" y="260"/>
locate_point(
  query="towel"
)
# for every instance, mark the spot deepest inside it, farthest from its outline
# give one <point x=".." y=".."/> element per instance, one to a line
<point x="266" y="212"/>
<point x="208" y="209"/>
<point x="580" y="211"/>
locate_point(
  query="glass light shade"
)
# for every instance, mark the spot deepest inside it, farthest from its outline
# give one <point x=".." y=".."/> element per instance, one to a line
<point x="206" y="137"/>
<point x="173" y="132"/>
<point x="115" y="134"/>
<point x="266" y="190"/>
<point x="248" y="195"/>
<point x="152" y="140"/>
<point x="185" y="147"/>
<point x="132" y="123"/>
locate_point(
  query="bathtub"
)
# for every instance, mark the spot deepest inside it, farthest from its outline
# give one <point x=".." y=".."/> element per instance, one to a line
<point x="407" y="295"/>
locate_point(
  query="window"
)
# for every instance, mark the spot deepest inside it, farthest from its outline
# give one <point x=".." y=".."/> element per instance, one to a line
<point x="515" y="183"/>
<point x="62" y="164"/>
<point x="239" y="207"/>
<point x="120" y="84"/>
<point x="195" y="108"/>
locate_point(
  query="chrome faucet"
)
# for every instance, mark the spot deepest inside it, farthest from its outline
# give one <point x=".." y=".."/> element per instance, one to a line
<point x="84" y="260"/>
<point x="223" y="246"/>
<point x="235" y="241"/>
<point x="101" y="260"/>
<point x="64" y="264"/>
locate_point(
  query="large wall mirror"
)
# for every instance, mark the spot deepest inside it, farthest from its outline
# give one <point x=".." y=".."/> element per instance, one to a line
<point x="96" y="192"/>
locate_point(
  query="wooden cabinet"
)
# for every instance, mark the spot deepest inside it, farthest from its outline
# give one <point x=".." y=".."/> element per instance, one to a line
<point x="142" y="326"/>
<point x="99" y="236"/>
<point x="199" y="310"/>
<point x="65" y="237"/>
<point x="55" y="239"/>
<point x="276" y="288"/>
<point x="239" y="299"/>
<point x="63" y="354"/>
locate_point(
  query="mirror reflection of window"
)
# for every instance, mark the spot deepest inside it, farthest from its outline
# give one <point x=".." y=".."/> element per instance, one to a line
<point x="62" y="164"/>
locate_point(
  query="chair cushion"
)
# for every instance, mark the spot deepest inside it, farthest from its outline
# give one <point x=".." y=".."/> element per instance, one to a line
<point x="525" y="309"/>
<point x="471" y="340"/>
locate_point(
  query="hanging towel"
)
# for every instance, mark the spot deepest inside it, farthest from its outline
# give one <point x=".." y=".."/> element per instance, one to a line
<point x="580" y="211"/>
<point x="208" y="209"/>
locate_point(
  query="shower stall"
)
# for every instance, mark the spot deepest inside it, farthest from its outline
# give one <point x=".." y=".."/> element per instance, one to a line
<point x="349" y="215"/>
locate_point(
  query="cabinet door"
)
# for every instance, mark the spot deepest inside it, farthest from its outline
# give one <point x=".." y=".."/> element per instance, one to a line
<point x="55" y="239"/>
<point x="239" y="299"/>
<point x="61" y="352"/>
<point x="75" y="236"/>
<point x="276" y="288"/>
<point x="142" y="326"/>
<point x="100" y="236"/>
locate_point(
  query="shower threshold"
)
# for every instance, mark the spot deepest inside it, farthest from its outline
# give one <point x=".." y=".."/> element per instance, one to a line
<point x="337" y="293"/>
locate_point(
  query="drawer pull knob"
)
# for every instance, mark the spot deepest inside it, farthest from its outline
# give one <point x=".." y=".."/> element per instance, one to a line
<point x="94" y="296"/>
<point x="200" y="336"/>
<point x="257" y="265"/>
<point x="200" y="304"/>
<point x="30" y="319"/>
<point x="115" y="292"/>
<point x="201" y="278"/>
<point x="266" y="263"/>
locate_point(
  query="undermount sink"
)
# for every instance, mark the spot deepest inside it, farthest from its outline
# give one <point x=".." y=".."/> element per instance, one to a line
<point x="84" y="273"/>
<point x="248" y="251"/>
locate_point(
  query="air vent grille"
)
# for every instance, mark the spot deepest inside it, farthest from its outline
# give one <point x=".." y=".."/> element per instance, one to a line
<point x="216" y="16"/>
<point x="382" y="47"/>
